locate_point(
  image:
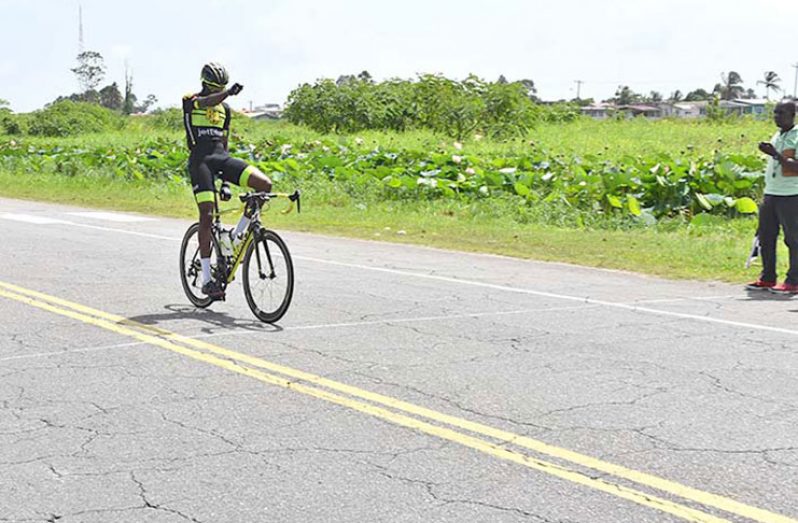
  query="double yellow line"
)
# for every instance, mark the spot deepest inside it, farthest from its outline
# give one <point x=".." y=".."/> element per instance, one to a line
<point x="500" y="444"/>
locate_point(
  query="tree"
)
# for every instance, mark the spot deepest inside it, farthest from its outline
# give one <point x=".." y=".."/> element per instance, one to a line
<point x="750" y="94"/>
<point x="731" y="86"/>
<point x="90" y="70"/>
<point x="502" y="80"/>
<point x="676" y="96"/>
<point x="345" y="79"/>
<point x="655" y="97"/>
<point x="110" y="97"/>
<point x="583" y="102"/>
<point x="771" y="81"/>
<point x="365" y="76"/>
<point x="148" y="102"/>
<point x="531" y="90"/>
<point x="129" y="104"/>
<point x="625" y="96"/>
<point x="714" y="111"/>
<point x="699" y="95"/>
<point x="4" y="105"/>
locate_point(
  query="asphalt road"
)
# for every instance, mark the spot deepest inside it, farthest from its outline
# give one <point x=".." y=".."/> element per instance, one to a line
<point x="404" y="384"/>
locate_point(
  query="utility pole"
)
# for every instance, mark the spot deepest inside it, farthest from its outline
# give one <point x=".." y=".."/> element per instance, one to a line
<point x="795" y="85"/>
<point x="578" y="89"/>
<point x="80" y="29"/>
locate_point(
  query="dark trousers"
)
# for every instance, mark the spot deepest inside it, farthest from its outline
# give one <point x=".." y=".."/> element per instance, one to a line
<point x="778" y="211"/>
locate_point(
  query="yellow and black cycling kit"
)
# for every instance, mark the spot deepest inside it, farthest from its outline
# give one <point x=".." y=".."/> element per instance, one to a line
<point x="207" y="130"/>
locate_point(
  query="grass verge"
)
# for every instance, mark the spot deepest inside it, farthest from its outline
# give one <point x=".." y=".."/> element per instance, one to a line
<point x="714" y="251"/>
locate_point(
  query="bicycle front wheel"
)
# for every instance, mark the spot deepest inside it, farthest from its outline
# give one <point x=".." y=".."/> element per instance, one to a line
<point x="268" y="276"/>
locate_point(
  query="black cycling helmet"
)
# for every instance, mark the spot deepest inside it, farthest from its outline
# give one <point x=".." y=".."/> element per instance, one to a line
<point x="214" y="75"/>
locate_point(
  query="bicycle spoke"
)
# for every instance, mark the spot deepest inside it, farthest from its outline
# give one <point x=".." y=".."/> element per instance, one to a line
<point x="269" y="280"/>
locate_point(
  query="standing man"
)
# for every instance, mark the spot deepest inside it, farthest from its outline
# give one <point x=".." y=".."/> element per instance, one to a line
<point x="780" y="204"/>
<point x="207" y="120"/>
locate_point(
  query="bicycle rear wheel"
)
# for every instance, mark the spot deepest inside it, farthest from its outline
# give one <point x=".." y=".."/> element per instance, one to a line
<point x="191" y="268"/>
<point x="268" y="276"/>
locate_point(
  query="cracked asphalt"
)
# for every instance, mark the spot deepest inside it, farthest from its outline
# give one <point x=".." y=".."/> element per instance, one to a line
<point x="688" y="381"/>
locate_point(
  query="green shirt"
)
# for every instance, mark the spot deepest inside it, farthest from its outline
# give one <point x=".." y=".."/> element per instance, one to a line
<point x="775" y="182"/>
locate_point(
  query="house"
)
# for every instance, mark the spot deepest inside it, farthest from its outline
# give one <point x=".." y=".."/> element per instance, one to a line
<point x="264" y="112"/>
<point x="599" y="111"/>
<point x="754" y="106"/>
<point x="678" y="110"/>
<point x="729" y="106"/>
<point x="698" y="109"/>
<point x="649" y="111"/>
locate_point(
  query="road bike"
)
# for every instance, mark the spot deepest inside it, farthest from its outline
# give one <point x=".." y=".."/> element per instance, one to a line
<point x="268" y="272"/>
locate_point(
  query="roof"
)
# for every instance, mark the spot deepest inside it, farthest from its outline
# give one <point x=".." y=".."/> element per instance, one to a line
<point x="752" y="101"/>
<point x="732" y="104"/>
<point x="640" y="108"/>
<point x="598" y="107"/>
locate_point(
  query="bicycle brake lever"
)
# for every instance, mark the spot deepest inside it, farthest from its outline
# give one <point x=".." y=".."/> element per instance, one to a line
<point x="296" y="198"/>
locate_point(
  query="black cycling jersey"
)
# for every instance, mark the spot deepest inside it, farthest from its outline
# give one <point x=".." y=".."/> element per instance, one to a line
<point x="206" y="132"/>
<point x="207" y="127"/>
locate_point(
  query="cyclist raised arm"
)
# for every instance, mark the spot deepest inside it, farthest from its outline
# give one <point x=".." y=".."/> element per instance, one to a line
<point x="207" y="117"/>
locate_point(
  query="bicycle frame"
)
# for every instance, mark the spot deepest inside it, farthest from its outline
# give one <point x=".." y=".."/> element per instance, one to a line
<point x="254" y="226"/>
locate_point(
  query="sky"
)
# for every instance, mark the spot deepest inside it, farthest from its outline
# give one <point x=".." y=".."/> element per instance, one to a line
<point x="273" y="46"/>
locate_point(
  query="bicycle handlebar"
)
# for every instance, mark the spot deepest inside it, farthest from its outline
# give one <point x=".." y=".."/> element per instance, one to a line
<point x="263" y="197"/>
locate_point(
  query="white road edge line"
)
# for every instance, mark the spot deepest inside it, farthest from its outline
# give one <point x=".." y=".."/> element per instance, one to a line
<point x="504" y="288"/>
<point x="67" y="352"/>
<point x="422" y="319"/>
<point x="588" y="300"/>
<point x="112" y="216"/>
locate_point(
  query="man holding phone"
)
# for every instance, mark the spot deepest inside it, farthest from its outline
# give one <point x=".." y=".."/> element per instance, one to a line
<point x="779" y="208"/>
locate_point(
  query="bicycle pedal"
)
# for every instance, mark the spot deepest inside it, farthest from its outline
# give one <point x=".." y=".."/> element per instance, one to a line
<point x="217" y="298"/>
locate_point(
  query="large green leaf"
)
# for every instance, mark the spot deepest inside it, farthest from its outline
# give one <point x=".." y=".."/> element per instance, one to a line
<point x="703" y="201"/>
<point x="746" y="206"/>
<point x="521" y="189"/>
<point x="614" y="201"/>
<point x="634" y="205"/>
<point x="394" y="182"/>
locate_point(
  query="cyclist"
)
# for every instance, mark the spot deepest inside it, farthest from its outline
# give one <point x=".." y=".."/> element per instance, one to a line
<point x="207" y="121"/>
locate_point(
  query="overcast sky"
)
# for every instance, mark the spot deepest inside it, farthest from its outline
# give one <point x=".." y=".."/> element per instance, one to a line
<point x="271" y="46"/>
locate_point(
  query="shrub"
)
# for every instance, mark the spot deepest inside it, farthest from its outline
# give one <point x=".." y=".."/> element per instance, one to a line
<point x="455" y="108"/>
<point x="67" y="118"/>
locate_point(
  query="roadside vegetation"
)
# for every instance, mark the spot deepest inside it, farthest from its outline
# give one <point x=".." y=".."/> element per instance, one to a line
<point x="673" y="198"/>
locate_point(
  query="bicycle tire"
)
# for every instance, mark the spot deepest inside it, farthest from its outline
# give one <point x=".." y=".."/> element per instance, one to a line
<point x="191" y="288"/>
<point x="267" y="239"/>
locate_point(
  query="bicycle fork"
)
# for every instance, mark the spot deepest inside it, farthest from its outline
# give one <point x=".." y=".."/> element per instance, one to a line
<point x="262" y="276"/>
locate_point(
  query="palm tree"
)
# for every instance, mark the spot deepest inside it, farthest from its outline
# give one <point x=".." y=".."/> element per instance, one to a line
<point x="625" y="96"/>
<point x="771" y="81"/>
<point x="731" y="86"/>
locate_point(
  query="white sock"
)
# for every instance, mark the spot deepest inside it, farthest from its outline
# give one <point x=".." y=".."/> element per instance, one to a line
<point x="243" y="223"/>
<point x="206" y="270"/>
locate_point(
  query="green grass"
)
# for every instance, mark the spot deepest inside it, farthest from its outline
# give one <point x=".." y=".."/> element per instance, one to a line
<point x="715" y="251"/>
<point x="585" y="136"/>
